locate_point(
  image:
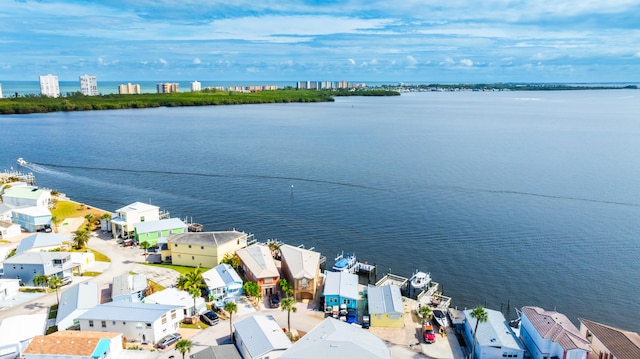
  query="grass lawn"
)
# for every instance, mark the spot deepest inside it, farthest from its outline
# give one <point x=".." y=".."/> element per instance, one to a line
<point x="68" y="209"/>
<point x="91" y="274"/>
<point x="155" y="287"/>
<point x="179" y="269"/>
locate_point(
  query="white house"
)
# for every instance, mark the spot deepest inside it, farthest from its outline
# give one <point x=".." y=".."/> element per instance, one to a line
<point x="76" y="301"/>
<point x="129" y="287"/>
<point x="126" y="217"/>
<point x="176" y="297"/>
<point x="9" y="288"/>
<point x="42" y="242"/>
<point x="495" y="339"/>
<point x="260" y="337"/>
<point x="9" y="230"/>
<point x="333" y="338"/>
<point x="15" y="336"/>
<point x="75" y="345"/>
<point x="27" y="197"/>
<point x="5" y="211"/>
<point x="223" y="282"/>
<point x="145" y="323"/>
<point x="548" y="334"/>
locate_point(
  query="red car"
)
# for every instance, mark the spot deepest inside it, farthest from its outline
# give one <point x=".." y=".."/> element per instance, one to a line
<point x="428" y="333"/>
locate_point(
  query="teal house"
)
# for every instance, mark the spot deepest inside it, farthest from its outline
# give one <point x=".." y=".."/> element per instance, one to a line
<point x="150" y="231"/>
<point x="341" y="288"/>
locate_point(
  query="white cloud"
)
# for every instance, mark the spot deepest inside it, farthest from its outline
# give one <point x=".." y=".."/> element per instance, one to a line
<point x="373" y="62"/>
<point x="447" y="61"/>
<point x="466" y="62"/>
<point x="197" y="61"/>
<point x="163" y="61"/>
<point x="637" y="54"/>
<point x="351" y="61"/>
<point x="412" y="62"/>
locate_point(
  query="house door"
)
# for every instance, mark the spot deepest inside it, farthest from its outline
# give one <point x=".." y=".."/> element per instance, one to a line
<point x="143" y="339"/>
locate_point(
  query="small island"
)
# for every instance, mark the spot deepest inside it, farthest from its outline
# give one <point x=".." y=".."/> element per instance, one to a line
<point x="79" y="102"/>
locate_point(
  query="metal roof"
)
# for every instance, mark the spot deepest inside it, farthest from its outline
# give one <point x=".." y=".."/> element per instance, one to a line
<point x="335" y="339"/>
<point x="221" y="276"/>
<point x="225" y="351"/>
<point x="385" y="299"/>
<point x="25" y="192"/>
<point x="344" y="284"/>
<point x="258" y="260"/>
<point x="137" y="206"/>
<point x="128" y="311"/>
<point x="37" y="258"/>
<point x="160" y="225"/>
<point x="495" y="332"/>
<point x="126" y="284"/>
<point x="34" y="211"/>
<point x="206" y="238"/>
<point x="556" y="327"/>
<point x="81" y="296"/>
<point x="302" y="263"/>
<point x="261" y="334"/>
<point x="42" y="240"/>
<point x="173" y="296"/>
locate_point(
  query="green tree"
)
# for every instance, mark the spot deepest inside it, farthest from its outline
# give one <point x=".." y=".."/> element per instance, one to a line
<point x="252" y="289"/>
<point x="192" y="282"/>
<point x="80" y="239"/>
<point x="40" y="280"/>
<point x="184" y="346"/>
<point x="55" y="220"/>
<point x="231" y="307"/>
<point x="289" y="304"/>
<point x="145" y="245"/>
<point x="425" y="312"/>
<point x="481" y="316"/>
<point x="89" y="218"/>
<point x="55" y="282"/>
<point x="232" y="260"/>
<point x="286" y="287"/>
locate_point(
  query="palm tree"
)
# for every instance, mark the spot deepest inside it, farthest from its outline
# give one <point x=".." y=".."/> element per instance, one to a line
<point x="425" y="312"/>
<point x="192" y="282"/>
<point x="286" y="287"/>
<point x="145" y="245"/>
<point x="55" y="220"/>
<point x="40" y="280"/>
<point x="184" y="346"/>
<point x="481" y="316"/>
<point x="80" y="238"/>
<point x="89" y="218"/>
<point x="289" y="304"/>
<point x="55" y="282"/>
<point x="231" y="307"/>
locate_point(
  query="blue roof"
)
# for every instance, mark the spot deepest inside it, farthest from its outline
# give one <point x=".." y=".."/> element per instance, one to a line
<point x="128" y="311"/>
<point x="42" y="240"/>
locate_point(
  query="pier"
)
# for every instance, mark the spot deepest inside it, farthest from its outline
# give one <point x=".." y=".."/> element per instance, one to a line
<point x="11" y="175"/>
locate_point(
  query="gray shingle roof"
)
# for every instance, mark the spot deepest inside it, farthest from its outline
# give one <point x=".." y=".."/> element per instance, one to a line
<point x="623" y="344"/>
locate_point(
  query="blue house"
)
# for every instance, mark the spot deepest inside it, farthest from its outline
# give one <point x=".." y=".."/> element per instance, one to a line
<point x="223" y="282"/>
<point x="341" y="288"/>
<point x="26" y="265"/>
<point x="32" y="219"/>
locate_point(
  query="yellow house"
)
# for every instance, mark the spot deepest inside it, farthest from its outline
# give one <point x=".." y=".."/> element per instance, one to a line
<point x="385" y="306"/>
<point x="301" y="268"/>
<point x="204" y="249"/>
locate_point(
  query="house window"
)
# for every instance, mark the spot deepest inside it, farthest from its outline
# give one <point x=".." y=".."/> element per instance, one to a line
<point x="34" y="271"/>
<point x="148" y="325"/>
<point x="141" y="218"/>
<point x="124" y="323"/>
<point x="113" y="322"/>
<point x="201" y="247"/>
<point x="173" y="314"/>
<point x="189" y="246"/>
<point x="164" y="319"/>
<point x="91" y="323"/>
<point x="175" y="244"/>
<point x="104" y="323"/>
<point x="193" y="258"/>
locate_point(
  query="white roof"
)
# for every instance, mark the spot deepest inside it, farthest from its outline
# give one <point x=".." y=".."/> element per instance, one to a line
<point x="128" y="311"/>
<point x="137" y="206"/>
<point x="336" y="339"/>
<point x="495" y="332"/>
<point x="39" y="240"/>
<point x="34" y="211"/>
<point x="160" y="225"/>
<point x="13" y="329"/>
<point x="344" y="284"/>
<point x="385" y="299"/>
<point x="258" y="260"/>
<point x="302" y="263"/>
<point x="83" y="296"/>
<point x="261" y="335"/>
<point x="172" y="296"/>
<point x="221" y="276"/>
<point x="126" y="284"/>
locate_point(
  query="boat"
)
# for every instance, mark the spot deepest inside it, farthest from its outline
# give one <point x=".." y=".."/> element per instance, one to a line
<point x="441" y="318"/>
<point x="345" y="262"/>
<point x="420" y="280"/>
<point x="22" y="162"/>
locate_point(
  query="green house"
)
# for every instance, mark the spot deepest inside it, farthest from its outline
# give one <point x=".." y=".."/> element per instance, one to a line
<point x="150" y="231"/>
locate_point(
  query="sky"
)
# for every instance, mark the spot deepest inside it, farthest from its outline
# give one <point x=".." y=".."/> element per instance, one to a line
<point x="415" y="41"/>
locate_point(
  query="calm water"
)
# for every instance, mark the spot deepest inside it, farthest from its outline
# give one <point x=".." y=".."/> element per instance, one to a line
<point x="526" y="197"/>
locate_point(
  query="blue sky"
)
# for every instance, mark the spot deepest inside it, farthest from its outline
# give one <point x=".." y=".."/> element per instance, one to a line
<point x="354" y="40"/>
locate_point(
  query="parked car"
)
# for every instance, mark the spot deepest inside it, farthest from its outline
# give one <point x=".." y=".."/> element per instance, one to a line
<point x="428" y="333"/>
<point x="274" y="300"/>
<point x="209" y="318"/>
<point x="168" y="340"/>
<point x="366" y="321"/>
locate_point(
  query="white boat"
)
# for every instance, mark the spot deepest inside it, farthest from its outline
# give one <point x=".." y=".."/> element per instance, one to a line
<point x="420" y="280"/>
<point x="22" y="162"/>
<point x="345" y="262"/>
<point x="441" y="318"/>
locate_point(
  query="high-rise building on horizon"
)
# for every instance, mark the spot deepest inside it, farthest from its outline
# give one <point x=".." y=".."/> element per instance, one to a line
<point x="88" y="85"/>
<point x="129" y="89"/>
<point x="49" y="85"/>
<point x="167" y="87"/>
<point x="0" y="90"/>
<point x="196" y="86"/>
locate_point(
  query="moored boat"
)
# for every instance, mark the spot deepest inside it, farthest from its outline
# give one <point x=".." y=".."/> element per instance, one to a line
<point x="345" y="262"/>
<point x="420" y="280"/>
<point x="441" y="318"/>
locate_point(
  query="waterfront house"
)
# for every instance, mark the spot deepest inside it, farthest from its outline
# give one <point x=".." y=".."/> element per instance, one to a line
<point x="385" y="306"/>
<point x="76" y="301"/>
<point x="609" y="342"/>
<point x="32" y="219"/>
<point x="74" y="344"/>
<point x="176" y="297"/>
<point x="9" y="230"/>
<point x="224" y="351"/>
<point x="223" y="282"/>
<point x="548" y="334"/>
<point x="42" y="242"/>
<point x="259" y="266"/>
<point x="204" y="249"/>
<point x="129" y="288"/>
<point x="333" y="338"/>
<point x="26" y="265"/>
<point x="260" y="337"/>
<point x="9" y="288"/>
<point x="301" y="268"/>
<point x="341" y="288"/>
<point x="123" y="224"/>
<point x="495" y="339"/>
<point x="15" y="336"/>
<point x="5" y="212"/>
<point x="27" y="197"/>
<point x="151" y="231"/>
<point x="144" y="323"/>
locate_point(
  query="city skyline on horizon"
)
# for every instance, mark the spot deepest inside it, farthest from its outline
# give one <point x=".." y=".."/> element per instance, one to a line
<point x="439" y="42"/>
